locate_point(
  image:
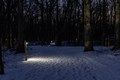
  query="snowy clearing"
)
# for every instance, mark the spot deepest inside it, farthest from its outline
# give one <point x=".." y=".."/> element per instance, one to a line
<point x="62" y="63"/>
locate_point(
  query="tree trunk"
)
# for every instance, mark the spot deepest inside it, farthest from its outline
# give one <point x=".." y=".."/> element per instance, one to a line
<point x="58" y="35"/>
<point x="1" y="27"/>
<point x="117" y="26"/>
<point x="88" y="45"/>
<point x="9" y="23"/>
<point x="20" y="46"/>
<point x="1" y="62"/>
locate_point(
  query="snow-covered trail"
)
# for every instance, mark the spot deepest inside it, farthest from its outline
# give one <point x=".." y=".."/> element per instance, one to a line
<point x="63" y="63"/>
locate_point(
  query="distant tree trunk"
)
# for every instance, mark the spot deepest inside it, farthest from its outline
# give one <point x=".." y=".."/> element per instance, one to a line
<point x="58" y="35"/>
<point x="41" y="35"/>
<point x="9" y="23"/>
<point x="1" y="62"/>
<point x="104" y="23"/>
<point x="1" y="17"/>
<point x="88" y="45"/>
<point x="101" y="29"/>
<point x="117" y="26"/>
<point x="20" y="46"/>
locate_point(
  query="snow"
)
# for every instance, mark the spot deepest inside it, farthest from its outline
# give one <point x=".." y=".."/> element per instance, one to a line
<point x="62" y="63"/>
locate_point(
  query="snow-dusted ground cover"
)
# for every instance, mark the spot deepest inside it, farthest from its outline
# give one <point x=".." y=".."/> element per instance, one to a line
<point x="62" y="63"/>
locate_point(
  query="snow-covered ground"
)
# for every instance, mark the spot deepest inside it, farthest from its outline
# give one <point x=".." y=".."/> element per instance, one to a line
<point x="62" y="63"/>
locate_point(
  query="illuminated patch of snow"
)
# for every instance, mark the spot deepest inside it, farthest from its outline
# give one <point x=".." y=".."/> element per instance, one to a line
<point x="42" y="59"/>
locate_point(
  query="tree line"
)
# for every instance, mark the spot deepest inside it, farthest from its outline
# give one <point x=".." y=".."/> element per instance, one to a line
<point x="75" y="22"/>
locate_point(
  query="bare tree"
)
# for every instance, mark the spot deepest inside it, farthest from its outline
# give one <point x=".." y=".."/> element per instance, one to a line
<point x="20" y="45"/>
<point x="117" y="25"/>
<point x="1" y="62"/>
<point x="9" y="17"/>
<point x="88" y="46"/>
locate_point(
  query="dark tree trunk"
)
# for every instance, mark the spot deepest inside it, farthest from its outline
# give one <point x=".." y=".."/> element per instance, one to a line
<point x="9" y="23"/>
<point x="1" y="62"/>
<point x="41" y="35"/>
<point x="88" y="45"/>
<point x="58" y="34"/>
<point x="20" y="46"/>
<point x="1" y="27"/>
<point x="117" y="26"/>
<point x="104" y="23"/>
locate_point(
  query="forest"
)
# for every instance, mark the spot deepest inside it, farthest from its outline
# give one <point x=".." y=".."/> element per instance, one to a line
<point x="65" y="22"/>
